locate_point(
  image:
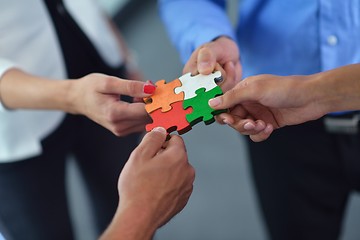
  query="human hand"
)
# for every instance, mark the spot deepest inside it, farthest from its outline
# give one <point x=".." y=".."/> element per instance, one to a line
<point x="222" y="55"/>
<point x="154" y="185"/>
<point x="260" y="104"/>
<point x="98" y="97"/>
<point x="158" y="179"/>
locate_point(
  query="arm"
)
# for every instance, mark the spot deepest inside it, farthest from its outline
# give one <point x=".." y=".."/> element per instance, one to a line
<point x="262" y="103"/>
<point x="205" y="39"/>
<point x="95" y="95"/>
<point x="154" y="185"/>
<point x="194" y="27"/>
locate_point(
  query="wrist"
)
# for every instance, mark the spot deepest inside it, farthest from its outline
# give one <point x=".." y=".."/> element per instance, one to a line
<point x="69" y="101"/>
<point x="323" y="97"/>
<point x="130" y="223"/>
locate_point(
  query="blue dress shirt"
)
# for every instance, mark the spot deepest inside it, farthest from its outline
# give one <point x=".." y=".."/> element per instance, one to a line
<point x="283" y="37"/>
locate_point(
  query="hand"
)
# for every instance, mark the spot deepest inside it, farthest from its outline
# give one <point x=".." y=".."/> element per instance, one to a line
<point x="98" y="97"/>
<point x="158" y="179"/>
<point x="154" y="185"/>
<point x="262" y="103"/>
<point x="221" y="54"/>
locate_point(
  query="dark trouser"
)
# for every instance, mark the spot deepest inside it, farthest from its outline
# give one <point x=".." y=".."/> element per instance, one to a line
<point x="33" y="201"/>
<point x="304" y="176"/>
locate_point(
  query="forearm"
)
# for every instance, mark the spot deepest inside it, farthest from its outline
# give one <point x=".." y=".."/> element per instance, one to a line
<point x="129" y="225"/>
<point x="337" y="90"/>
<point x="19" y="90"/>
<point x="195" y="27"/>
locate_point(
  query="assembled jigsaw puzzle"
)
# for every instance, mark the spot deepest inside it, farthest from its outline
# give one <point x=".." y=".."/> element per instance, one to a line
<point x="183" y="102"/>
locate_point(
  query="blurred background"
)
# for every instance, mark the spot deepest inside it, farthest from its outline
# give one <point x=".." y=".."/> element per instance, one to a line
<point x="223" y="205"/>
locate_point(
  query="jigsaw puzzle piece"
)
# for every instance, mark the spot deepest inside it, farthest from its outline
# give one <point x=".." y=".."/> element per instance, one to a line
<point x="201" y="109"/>
<point x="189" y="84"/>
<point x="174" y="120"/>
<point x="163" y="96"/>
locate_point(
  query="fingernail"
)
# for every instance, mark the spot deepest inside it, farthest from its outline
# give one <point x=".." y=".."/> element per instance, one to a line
<point x="159" y="129"/>
<point x="149" y="87"/>
<point x="225" y="121"/>
<point x="215" y="102"/>
<point x="249" y="126"/>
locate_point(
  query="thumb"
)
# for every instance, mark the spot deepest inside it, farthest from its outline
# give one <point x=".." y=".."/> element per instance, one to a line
<point x="152" y="142"/>
<point x="130" y="88"/>
<point x="206" y="61"/>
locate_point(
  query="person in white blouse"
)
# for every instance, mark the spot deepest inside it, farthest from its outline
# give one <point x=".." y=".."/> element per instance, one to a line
<point x="44" y="116"/>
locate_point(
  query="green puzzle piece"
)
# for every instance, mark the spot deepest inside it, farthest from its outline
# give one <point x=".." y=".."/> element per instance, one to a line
<point x="201" y="109"/>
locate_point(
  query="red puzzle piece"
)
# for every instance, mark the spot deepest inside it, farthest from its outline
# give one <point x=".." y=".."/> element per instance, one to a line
<point x="174" y="120"/>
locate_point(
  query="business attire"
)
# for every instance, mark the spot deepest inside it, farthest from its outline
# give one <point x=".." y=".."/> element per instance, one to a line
<point x="303" y="174"/>
<point x="56" y="39"/>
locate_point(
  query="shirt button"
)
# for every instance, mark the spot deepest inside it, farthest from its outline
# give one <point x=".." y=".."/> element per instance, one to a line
<point x="332" y="40"/>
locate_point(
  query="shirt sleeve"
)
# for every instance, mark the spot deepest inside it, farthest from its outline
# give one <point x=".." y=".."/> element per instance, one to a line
<point x="5" y="65"/>
<point x="192" y="23"/>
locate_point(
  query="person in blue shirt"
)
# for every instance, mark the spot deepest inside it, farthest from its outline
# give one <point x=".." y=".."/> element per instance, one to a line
<point x="304" y="173"/>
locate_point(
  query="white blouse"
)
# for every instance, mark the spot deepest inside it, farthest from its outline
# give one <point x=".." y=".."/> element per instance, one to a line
<point x="28" y="41"/>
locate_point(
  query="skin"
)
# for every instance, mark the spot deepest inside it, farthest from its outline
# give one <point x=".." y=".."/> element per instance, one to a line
<point x="95" y="96"/>
<point x="221" y="54"/>
<point x="262" y="103"/>
<point x="157" y="180"/>
<point x="154" y="186"/>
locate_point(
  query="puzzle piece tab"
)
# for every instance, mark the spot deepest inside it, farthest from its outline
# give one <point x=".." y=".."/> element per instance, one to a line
<point x="163" y="96"/>
<point x="192" y="83"/>
<point x="174" y="120"/>
<point x="201" y="109"/>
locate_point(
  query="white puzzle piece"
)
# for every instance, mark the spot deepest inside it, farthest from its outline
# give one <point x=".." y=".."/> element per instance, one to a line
<point x="192" y="83"/>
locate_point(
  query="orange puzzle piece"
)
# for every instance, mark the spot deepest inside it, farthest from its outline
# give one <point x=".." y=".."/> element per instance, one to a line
<point x="163" y="96"/>
<point x="174" y="120"/>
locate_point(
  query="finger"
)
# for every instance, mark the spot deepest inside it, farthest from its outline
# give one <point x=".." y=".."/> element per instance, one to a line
<point x="239" y="111"/>
<point x="263" y="135"/>
<point x="138" y="100"/>
<point x="238" y="72"/>
<point x="176" y="144"/>
<point x="230" y="77"/>
<point x="128" y="111"/>
<point x="152" y="142"/>
<point x="222" y="79"/>
<point x="250" y="127"/>
<point x="225" y="118"/>
<point x="133" y="88"/>
<point x="206" y="61"/>
<point x="123" y="128"/>
<point x="191" y="65"/>
<point x="245" y="126"/>
<point x="231" y="98"/>
<point x="219" y="120"/>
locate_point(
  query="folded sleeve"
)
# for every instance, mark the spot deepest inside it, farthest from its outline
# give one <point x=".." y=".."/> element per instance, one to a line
<point x="4" y="66"/>
<point x="191" y="23"/>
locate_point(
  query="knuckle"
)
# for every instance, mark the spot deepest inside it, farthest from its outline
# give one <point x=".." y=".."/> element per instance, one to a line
<point x="119" y="131"/>
<point x="105" y="84"/>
